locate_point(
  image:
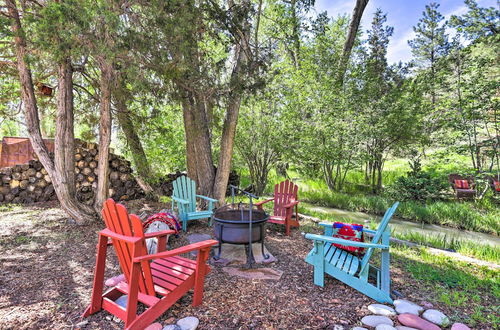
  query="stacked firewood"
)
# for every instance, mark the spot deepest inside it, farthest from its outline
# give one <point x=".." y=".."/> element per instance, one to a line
<point x="166" y="187"/>
<point x="25" y="183"/>
<point x="30" y="182"/>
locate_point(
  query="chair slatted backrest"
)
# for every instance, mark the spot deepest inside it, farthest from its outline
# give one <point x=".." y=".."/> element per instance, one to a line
<point x="284" y="192"/>
<point x="378" y="235"/>
<point x="185" y="188"/>
<point x="119" y="221"/>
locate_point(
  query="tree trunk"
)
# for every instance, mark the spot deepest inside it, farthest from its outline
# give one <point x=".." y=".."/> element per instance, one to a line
<point x="189" y="137"/>
<point x="357" y="13"/>
<point x="62" y="178"/>
<point x="106" y="82"/>
<point x="144" y="171"/>
<point x="231" y="120"/>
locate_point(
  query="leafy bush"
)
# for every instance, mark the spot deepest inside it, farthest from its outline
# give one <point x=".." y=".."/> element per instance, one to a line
<point x="417" y="185"/>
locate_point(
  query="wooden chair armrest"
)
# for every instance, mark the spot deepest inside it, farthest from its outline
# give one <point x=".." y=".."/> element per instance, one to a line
<point x="129" y="239"/>
<point x="207" y="198"/>
<point x="180" y="200"/>
<point x="336" y="240"/>
<point x="291" y="204"/>
<point x="185" y="249"/>
<point x="159" y="233"/>
<point x="263" y="202"/>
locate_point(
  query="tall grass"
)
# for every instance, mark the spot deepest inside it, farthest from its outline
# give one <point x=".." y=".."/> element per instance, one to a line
<point x="459" y="215"/>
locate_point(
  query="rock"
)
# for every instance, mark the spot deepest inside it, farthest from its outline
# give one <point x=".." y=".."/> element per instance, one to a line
<point x="359" y="328"/>
<point x="426" y="305"/>
<point x="405" y="306"/>
<point x="436" y="317"/>
<point x="402" y="327"/>
<point x="414" y="321"/>
<point x="380" y="309"/>
<point x="235" y="253"/>
<point x="374" y="320"/>
<point x="459" y="326"/>
<point x="188" y="323"/>
<point x="82" y="324"/>
<point x="114" y="280"/>
<point x="255" y="273"/>
<point x="154" y="326"/>
<point x="384" y="327"/>
<point x="335" y="327"/>
<point x="122" y="301"/>
<point x="172" y="327"/>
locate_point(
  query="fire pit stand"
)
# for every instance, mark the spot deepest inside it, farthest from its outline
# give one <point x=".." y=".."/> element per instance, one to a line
<point x="240" y="224"/>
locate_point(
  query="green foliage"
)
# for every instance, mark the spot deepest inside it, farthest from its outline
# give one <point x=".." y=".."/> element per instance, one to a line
<point x="417" y="185"/>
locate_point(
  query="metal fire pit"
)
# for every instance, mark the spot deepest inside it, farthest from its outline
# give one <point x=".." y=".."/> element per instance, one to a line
<point x="240" y="224"/>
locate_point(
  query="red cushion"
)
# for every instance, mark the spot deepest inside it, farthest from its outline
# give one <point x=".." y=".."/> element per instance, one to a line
<point x="351" y="232"/>
<point x="461" y="184"/>
<point x="497" y="185"/>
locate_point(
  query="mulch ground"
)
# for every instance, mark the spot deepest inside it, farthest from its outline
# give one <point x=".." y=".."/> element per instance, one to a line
<point x="47" y="270"/>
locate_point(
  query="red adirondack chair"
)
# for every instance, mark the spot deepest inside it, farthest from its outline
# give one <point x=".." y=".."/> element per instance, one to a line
<point x="285" y="199"/>
<point x="157" y="280"/>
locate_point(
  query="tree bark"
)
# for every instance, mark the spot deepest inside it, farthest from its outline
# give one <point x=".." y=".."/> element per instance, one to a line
<point x="143" y="168"/>
<point x="106" y="82"/>
<point x="231" y="120"/>
<point x="357" y="13"/>
<point x="62" y="178"/>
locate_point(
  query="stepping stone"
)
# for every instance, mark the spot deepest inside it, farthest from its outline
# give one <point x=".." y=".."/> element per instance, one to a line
<point x="259" y="257"/>
<point x="436" y="317"/>
<point x="459" y="326"/>
<point x="414" y="321"/>
<point x="188" y="323"/>
<point x="374" y="320"/>
<point x="154" y="326"/>
<point x="255" y="273"/>
<point x="232" y="253"/>
<point x="405" y="306"/>
<point x="172" y="327"/>
<point x="122" y="301"/>
<point x="384" y="327"/>
<point x="195" y="238"/>
<point x="380" y="309"/>
<point x="402" y="327"/>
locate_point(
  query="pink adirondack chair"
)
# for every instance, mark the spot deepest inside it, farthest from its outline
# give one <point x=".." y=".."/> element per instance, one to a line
<point x="285" y="199"/>
<point x="156" y="280"/>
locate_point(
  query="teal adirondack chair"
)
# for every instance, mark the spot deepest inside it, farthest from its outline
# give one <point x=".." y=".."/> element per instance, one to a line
<point x="184" y="196"/>
<point x="348" y="268"/>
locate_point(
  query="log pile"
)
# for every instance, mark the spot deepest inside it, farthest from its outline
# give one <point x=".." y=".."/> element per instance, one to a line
<point x="28" y="183"/>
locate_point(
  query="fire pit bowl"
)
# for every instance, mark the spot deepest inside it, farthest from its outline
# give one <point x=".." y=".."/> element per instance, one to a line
<point x="231" y="224"/>
<point x="240" y="224"/>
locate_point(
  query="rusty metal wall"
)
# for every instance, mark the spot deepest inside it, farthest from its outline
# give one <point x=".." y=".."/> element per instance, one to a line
<point x="18" y="150"/>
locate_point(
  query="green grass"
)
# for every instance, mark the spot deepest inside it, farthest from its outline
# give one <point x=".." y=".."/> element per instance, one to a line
<point x="472" y="249"/>
<point x="461" y="215"/>
<point x="454" y="283"/>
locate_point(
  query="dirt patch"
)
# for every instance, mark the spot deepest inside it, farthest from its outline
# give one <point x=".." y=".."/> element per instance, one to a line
<point x="47" y="270"/>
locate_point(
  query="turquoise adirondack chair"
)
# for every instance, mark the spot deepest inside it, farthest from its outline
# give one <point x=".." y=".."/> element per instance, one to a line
<point x="348" y="268"/>
<point x="184" y="196"/>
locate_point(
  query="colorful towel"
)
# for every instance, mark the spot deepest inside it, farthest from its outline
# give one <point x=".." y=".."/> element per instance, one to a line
<point x="166" y="217"/>
<point x="351" y="232"/>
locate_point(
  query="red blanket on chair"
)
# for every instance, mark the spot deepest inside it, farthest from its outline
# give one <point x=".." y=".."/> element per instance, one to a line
<point x="351" y="232"/>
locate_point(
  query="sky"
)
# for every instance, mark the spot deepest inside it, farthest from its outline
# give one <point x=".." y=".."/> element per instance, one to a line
<point x="401" y="14"/>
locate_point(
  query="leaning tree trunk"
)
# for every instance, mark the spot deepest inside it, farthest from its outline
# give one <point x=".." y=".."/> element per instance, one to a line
<point x="62" y="178"/>
<point x="357" y="13"/>
<point x="144" y="171"/>
<point x="106" y="82"/>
